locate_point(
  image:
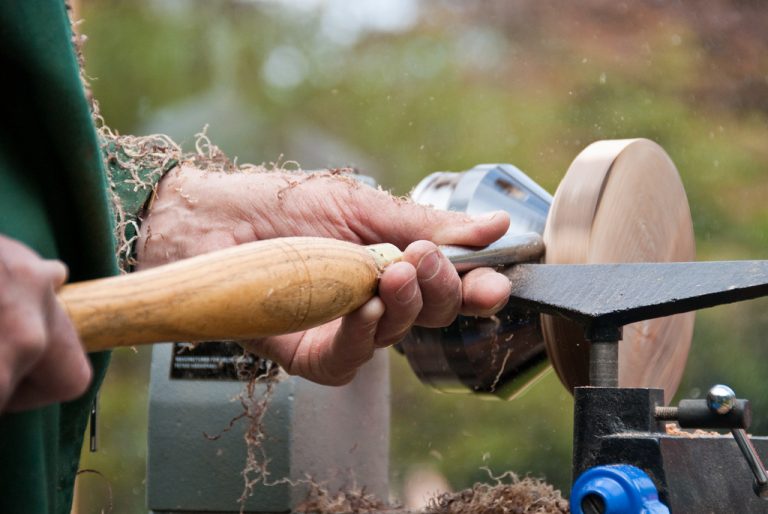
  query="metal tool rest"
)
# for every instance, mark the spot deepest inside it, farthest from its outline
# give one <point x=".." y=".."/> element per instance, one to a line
<point x="623" y="458"/>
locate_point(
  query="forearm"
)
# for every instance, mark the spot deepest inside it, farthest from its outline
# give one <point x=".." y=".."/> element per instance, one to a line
<point x="200" y="211"/>
<point x="206" y="201"/>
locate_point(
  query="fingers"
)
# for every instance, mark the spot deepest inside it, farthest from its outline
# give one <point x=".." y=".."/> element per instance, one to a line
<point x="53" y="273"/>
<point x="329" y="354"/>
<point x="62" y="371"/>
<point x="378" y="216"/>
<point x="22" y="342"/>
<point x="439" y="284"/>
<point x="400" y="292"/>
<point x="484" y="292"/>
<point x="423" y="289"/>
<point x="41" y="359"/>
<point x="353" y="344"/>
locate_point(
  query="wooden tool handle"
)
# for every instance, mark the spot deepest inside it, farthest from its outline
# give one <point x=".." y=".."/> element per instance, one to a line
<point x="253" y="290"/>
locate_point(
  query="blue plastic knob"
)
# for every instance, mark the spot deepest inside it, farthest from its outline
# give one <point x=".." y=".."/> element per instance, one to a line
<point x="619" y="489"/>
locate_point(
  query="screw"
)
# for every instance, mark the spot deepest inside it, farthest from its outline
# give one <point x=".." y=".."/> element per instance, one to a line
<point x="720" y="399"/>
<point x="666" y="413"/>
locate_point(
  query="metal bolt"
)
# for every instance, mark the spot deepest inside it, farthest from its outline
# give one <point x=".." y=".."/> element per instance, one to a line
<point x="720" y="399"/>
<point x="663" y="413"/>
<point x="604" y="363"/>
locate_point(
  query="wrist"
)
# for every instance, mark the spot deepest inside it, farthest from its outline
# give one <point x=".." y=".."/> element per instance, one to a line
<point x="196" y="211"/>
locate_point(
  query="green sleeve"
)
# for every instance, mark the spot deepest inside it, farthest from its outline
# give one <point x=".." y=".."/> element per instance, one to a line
<point x="134" y="166"/>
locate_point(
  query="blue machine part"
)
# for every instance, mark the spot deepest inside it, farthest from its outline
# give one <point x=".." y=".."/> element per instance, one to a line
<point x="618" y="489"/>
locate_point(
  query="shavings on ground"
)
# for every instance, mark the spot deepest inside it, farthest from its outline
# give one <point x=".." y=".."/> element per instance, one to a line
<point x="353" y="501"/>
<point x="509" y="495"/>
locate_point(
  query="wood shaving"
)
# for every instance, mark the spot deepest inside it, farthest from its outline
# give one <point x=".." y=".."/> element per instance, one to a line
<point x="354" y="501"/>
<point x="509" y="495"/>
<point x="674" y="429"/>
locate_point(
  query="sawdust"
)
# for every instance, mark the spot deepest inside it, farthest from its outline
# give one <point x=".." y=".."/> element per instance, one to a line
<point x="136" y="164"/>
<point x="495" y="351"/>
<point x="255" y="401"/>
<point x="503" y="366"/>
<point x="509" y="495"/>
<point x="254" y="410"/>
<point x="674" y="429"/>
<point x="354" y="500"/>
<point x="78" y="41"/>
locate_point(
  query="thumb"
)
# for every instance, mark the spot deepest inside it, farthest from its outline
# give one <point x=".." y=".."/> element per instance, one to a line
<point x="382" y="217"/>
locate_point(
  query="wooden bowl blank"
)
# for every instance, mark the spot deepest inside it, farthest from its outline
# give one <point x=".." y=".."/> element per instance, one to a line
<point x="621" y="201"/>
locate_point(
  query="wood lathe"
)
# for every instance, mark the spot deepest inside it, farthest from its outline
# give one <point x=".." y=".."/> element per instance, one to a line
<point x="608" y="307"/>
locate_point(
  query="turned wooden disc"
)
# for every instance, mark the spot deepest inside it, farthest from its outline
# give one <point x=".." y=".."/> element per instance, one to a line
<point x="621" y="201"/>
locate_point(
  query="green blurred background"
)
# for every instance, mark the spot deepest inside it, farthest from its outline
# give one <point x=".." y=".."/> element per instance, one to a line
<point x="401" y="88"/>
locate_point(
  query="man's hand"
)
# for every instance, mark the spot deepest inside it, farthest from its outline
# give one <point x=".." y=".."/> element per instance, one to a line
<point x="41" y="358"/>
<point x="196" y="212"/>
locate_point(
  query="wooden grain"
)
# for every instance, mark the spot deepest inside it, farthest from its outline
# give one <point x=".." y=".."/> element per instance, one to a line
<point x="244" y="292"/>
<point x="621" y="201"/>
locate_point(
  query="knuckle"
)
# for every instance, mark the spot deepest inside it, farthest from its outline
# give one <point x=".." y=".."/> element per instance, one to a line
<point x="32" y="269"/>
<point x="28" y="336"/>
<point x="23" y="269"/>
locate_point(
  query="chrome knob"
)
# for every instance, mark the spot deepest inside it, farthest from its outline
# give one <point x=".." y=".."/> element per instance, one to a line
<point x="720" y="399"/>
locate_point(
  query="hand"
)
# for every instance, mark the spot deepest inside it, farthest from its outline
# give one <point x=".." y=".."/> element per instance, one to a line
<point x="41" y="358"/>
<point x="197" y="212"/>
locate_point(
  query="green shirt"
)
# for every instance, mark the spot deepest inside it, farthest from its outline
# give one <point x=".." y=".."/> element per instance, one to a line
<point x="53" y="197"/>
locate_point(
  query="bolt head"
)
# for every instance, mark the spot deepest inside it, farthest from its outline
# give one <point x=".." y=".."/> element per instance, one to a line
<point x="720" y="399"/>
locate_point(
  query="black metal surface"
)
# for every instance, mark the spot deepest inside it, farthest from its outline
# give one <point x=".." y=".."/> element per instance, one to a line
<point x="601" y="413"/>
<point x="612" y="295"/>
<point x="696" y="414"/>
<point x="694" y="473"/>
<point x="709" y="475"/>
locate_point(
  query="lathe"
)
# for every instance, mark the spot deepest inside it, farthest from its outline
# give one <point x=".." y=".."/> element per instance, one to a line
<point x="604" y="286"/>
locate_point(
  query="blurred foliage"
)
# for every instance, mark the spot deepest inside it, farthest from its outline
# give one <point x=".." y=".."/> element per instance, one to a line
<point x="529" y="82"/>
